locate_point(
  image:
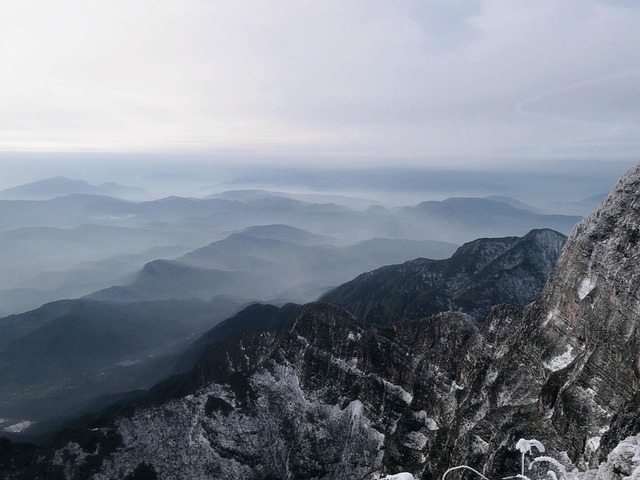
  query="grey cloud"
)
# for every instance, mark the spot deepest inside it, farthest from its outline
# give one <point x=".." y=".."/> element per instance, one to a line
<point x="422" y="77"/>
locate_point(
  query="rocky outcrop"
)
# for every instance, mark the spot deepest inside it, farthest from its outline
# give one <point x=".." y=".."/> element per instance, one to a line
<point x="324" y="396"/>
<point x="480" y="274"/>
<point x="569" y="374"/>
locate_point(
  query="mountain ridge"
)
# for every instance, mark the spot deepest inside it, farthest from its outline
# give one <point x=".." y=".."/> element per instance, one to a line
<point x="480" y="274"/>
<point x="50" y="188"/>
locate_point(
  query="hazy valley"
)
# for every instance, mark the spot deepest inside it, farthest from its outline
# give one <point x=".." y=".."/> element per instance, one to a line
<point x="112" y="303"/>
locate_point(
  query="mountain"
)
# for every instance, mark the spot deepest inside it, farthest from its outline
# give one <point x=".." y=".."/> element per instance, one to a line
<point x="386" y="251"/>
<point x="61" y="358"/>
<point x="453" y="220"/>
<point x="50" y="239"/>
<point x="325" y="395"/>
<point x="23" y="250"/>
<point x="485" y="217"/>
<point x="582" y="207"/>
<point x="266" y="263"/>
<point x="255" y="194"/>
<point x="167" y="280"/>
<point x="62" y="186"/>
<point x="287" y="233"/>
<point x="512" y="201"/>
<point x="63" y="212"/>
<point x="480" y="274"/>
<point x="74" y="280"/>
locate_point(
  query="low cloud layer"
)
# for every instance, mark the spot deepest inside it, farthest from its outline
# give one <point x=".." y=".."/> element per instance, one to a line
<point x="483" y="78"/>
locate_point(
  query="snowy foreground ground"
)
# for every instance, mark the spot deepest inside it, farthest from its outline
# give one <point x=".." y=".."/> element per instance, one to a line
<point x="623" y="463"/>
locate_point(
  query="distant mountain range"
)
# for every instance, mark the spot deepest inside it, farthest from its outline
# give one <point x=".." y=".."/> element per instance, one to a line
<point x="54" y="249"/>
<point x="62" y="186"/>
<point x="267" y="263"/>
<point x="486" y="216"/>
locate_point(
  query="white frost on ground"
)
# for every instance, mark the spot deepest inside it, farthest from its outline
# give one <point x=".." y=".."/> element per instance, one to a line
<point x="592" y="444"/>
<point x="18" y="427"/>
<point x="354" y="337"/>
<point x="455" y="386"/>
<point x="622" y="463"/>
<point x="399" y="476"/>
<point x="585" y="288"/>
<point x="431" y="424"/>
<point x="561" y="361"/>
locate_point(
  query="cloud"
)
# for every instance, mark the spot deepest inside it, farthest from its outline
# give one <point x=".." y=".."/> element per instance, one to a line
<point x="421" y="78"/>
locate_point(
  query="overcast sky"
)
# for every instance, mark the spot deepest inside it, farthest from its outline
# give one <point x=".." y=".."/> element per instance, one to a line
<point x="372" y="78"/>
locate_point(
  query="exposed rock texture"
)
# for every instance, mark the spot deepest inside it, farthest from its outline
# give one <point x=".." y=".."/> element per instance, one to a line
<point x="570" y="372"/>
<point x="323" y="397"/>
<point x="480" y="274"/>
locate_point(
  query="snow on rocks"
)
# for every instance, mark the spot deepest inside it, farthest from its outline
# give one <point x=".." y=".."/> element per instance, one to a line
<point x="399" y="476"/>
<point x="354" y="337"/>
<point x="585" y="288"/>
<point x="18" y="427"/>
<point x="623" y="462"/>
<point x="561" y="361"/>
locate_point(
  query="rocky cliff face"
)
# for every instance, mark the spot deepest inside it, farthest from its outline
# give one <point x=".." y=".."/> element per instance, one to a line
<point x="324" y="396"/>
<point x="569" y="373"/>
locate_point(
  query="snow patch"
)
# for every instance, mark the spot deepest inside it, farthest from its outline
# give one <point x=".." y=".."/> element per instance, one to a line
<point x="585" y="288"/>
<point x="399" y="476"/>
<point x="128" y="363"/>
<point x="353" y="337"/>
<point x="622" y="462"/>
<point x="18" y="427"/>
<point x="561" y="361"/>
<point x="593" y="444"/>
<point x="431" y="424"/>
<point x="524" y="446"/>
<point x="455" y="386"/>
<point x="356" y="409"/>
<point x="406" y="396"/>
<point x="552" y="315"/>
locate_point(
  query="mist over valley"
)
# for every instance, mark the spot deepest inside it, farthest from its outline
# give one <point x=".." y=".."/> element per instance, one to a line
<point x="89" y="276"/>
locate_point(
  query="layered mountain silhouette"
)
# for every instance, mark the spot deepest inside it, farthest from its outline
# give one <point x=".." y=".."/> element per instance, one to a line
<point x="321" y="394"/>
<point x="62" y="186"/>
<point x="480" y="274"/>
<point x="44" y="350"/>
<point x="47" y="245"/>
<point x="485" y="216"/>
<point x="269" y="262"/>
<point x="71" y="356"/>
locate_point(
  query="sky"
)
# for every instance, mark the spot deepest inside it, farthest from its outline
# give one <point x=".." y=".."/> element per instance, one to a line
<point x="364" y="79"/>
